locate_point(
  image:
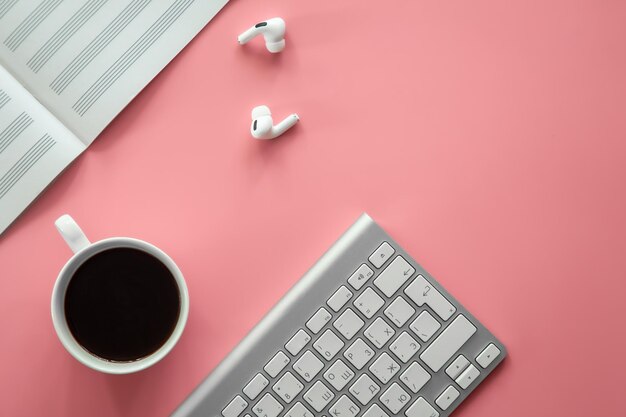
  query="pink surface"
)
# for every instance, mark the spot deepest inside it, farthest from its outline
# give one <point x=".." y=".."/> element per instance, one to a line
<point x="488" y="138"/>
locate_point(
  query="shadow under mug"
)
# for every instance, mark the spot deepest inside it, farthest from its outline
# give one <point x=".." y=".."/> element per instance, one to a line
<point x="83" y="250"/>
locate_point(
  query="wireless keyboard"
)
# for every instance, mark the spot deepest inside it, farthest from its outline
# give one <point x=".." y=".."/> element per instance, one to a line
<point x="366" y="332"/>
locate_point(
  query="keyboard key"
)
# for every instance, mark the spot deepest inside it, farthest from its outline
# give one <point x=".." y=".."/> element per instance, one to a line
<point x="328" y="344"/>
<point x="384" y="368"/>
<point x="448" y="343"/>
<point x="415" y="377"/>
<point x="348" y="324"/>
<point x="488" y="355"/>
<point x="339" y="375"/>
<point x="425" y="326"/>
<point x="299" y="410"/>
<point x="379" y="332"/>
<point x="268" y="407"/>
<point x="468" y="376"/>
<point x="394" y="276"/>
<point x="421" y="408"/>
<point x="254" y="387"/>
<point x="359" y="353"/>
<point x="457" y="367"/>
<point x="308" y="366"/>
<point x="297" y="342"/>
<point x="422" y="292"/>
<point x="369" y="303"/>
<point x="399" y="312"/>
<point x="395" y="398"/>
<point x="380" y="255"/>
<point x="404" y="347"/>
<point x="360" y="277"/>
<point x="277" y="364"/>
<point x="235" y="407"/>
<point x="319" y="396"/>
<point x="375" y="411"/>
<point x="364" y="389"/>
<point x="318" y="320"/>
<point x="344" y="407"/>
<point x="288" y="387"/>
<point x="339" y="298"/>
<point x="447" y="398"/>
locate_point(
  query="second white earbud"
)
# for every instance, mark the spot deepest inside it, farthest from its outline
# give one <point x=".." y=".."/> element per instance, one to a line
<point x="263" y="125"/>
<point x="273" y="30"/>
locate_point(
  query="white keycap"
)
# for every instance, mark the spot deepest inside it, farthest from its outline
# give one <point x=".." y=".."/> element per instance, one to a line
<point x="319" y="396"/>
<point x="422" y="292"/>
<point x="359" y="353"/>
<point x="299" y="410"/>
<point x="379" y="332"/>
<point x="404" y="347"/>
<point x="364" y="389"/>
<point x="457" y="367"/>
<point x="488" y="355"/>
<point x="348" y="324"/>
<point x="468" y="377"/>
<point x="360" y="277"/>
<point x="268" y="406"/>
<point x="415" y="377"/>
<point x="297" y="342"/>
<point x="339" y="375"/>
<point x="380" y="255"/>
<point x="448" y="343"/>
<point x="328" y="344"/>
<point x="339" y="298"/>
<point x="421" y="408"/>
<point x="369" y="303"/>
<point x="254" y="387"/>
<point x="318" y="320"/>
<point x="425" y="326"/>
<point x="288" y="387"/>
<point x="394" y="276"/>
<point x="447" y="398"/>
<point x="308" y="366"/>
<point x="276" y="364"/>
<point x="395" y="398"/>
<point x="384" y="368"/>
<point x="344" y="407"/>
<point x="235" y="407"/>
<point x="375" y="411"/>
<point x="399" y="312"/>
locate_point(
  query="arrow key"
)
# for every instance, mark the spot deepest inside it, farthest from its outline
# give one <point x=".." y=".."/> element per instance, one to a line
<point x="488" y="355"/>
<point x="456" y="367"/>
<point x="447" y="398"/>
<point x="468" y="376"/>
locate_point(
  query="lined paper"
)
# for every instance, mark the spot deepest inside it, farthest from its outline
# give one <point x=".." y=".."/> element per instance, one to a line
<point x="86" y="59"/>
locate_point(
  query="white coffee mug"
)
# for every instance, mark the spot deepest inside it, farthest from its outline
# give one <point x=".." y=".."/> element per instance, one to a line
<point x="83" y="250"/>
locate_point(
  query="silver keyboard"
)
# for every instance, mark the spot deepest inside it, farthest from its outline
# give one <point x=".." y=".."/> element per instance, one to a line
<point x="366" y="332"/>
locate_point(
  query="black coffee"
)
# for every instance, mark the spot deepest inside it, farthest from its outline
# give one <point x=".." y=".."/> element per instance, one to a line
<point x="122" y="304"/>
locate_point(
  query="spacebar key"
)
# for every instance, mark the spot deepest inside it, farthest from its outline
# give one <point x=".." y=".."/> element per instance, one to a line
<point x="449" y="341"/>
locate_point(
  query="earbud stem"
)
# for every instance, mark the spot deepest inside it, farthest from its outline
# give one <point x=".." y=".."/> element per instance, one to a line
<point x="287" y="123"/>
<point x="248" y="35"/>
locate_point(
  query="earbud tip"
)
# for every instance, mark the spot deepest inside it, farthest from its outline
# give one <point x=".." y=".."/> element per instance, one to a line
<point x="275" y="47"/>
<point x="259" y="111"/>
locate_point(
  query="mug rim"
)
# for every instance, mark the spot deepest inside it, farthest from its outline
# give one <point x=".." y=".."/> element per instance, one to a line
<point x="58" y="307"/>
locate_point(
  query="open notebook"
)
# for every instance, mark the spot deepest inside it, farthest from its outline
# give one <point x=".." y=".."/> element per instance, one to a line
<point x="67" y="68"/>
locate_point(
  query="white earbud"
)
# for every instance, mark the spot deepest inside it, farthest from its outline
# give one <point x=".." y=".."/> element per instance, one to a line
<point x="263" y="125"/>
<point x="273" y="30"/>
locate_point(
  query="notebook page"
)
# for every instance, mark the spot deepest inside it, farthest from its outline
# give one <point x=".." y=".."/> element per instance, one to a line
<point x="85" y="60"/>
<point x="34" y="148"/>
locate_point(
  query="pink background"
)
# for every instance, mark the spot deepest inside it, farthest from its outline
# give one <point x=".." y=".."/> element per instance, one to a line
<point x="489" y="138"/>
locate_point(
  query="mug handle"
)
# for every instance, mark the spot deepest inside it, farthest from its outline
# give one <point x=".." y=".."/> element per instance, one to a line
<point x="71" y="233"/>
